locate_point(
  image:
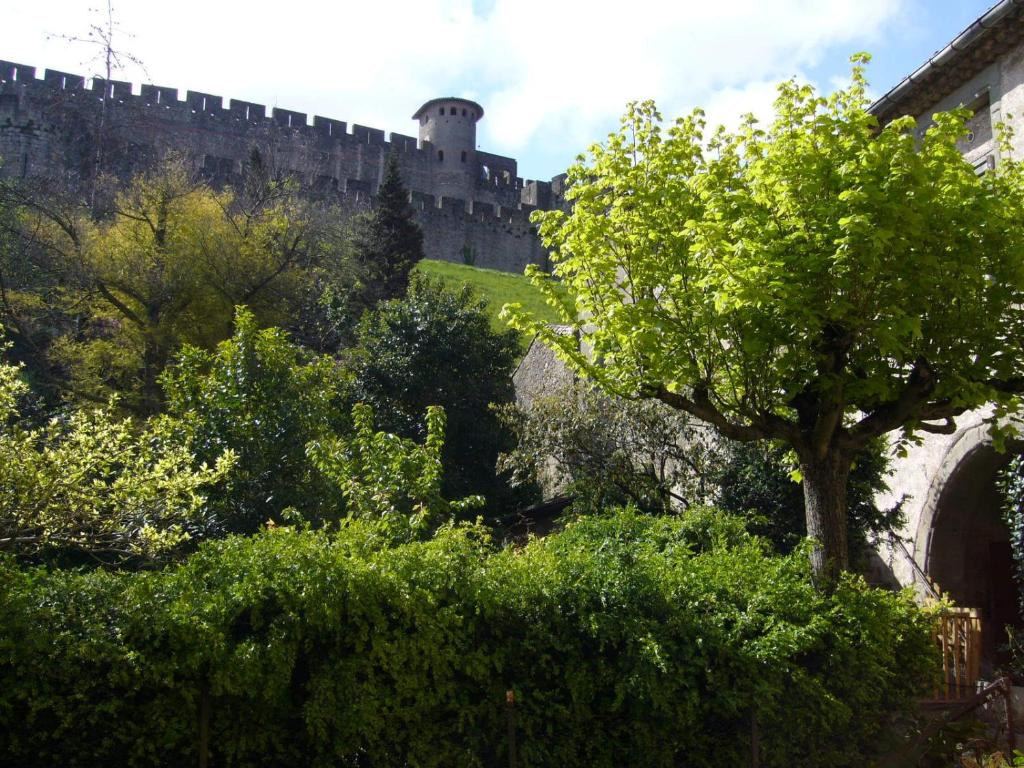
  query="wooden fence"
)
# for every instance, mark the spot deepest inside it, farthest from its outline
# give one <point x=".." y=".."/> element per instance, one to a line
<point x="959" y="637"/>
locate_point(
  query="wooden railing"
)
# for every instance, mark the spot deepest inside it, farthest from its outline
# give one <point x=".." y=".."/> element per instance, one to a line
<point x="959" y="637"/>
<point x="959" y="693"/>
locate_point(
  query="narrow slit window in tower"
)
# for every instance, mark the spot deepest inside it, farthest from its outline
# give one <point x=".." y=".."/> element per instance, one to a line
<point x="440" y="155"/>
<point x="463" y="155"/>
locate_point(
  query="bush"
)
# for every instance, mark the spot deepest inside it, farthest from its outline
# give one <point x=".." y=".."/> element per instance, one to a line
<point x="87" y="485"/>
<point x="263" y="398"/>
<point x="1011" y="486"/>
<point x="606" y="451"/>
<point x="627" y="639"/>
<point x="436" y="347"/>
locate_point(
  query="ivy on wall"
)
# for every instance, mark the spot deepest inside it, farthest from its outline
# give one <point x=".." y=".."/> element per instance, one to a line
<point x="1011" y="484"/>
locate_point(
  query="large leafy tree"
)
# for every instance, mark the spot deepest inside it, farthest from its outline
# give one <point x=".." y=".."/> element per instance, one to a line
<point x="166" y="266"/>
<point x="822" y="282"/>
<point x="753" y="480"/>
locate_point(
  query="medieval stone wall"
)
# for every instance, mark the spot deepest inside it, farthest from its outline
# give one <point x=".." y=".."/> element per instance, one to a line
<point x="50" y="126"/>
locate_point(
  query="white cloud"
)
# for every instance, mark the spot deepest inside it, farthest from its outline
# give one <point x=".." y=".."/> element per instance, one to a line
<point x="728" y="106"/>
<point x="553" y="75"/>
<point x="577" y="73"/>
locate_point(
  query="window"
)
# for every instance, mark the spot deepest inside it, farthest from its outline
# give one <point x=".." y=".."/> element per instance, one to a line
<point x="440" y="111"/>
<point x="463" y="155"/>
<point x="440" y="155"/>
<point x="453" y="110"/>
<point x="463" y="112"/>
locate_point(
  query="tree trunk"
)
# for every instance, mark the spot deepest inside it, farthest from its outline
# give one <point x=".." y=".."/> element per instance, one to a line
<point x="825" y="483"/>
<point x="154" y="360"/>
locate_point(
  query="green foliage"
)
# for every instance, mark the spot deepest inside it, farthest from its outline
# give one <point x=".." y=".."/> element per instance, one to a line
<point x="605" y="451"/>
<point x="436" y="347"/>
<point x="92" y="484"/>
<point x="105" y="302"/>
<point x="1011" y="485"/>
<point x="662" y="636"/>
<point x="392" y="481"/>
<point x="754" y="480"/>
<point x="264" y="399"/>
<point x="387" y="241"/>
<point x="821" y="281"/>
<point x="496" y="288"/>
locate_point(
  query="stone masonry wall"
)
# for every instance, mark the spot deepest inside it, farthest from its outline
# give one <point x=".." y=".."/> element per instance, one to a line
<point x="49" y="127"/>
<point x="996" y="94"/>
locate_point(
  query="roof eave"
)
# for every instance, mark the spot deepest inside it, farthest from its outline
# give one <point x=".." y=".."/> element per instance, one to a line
<point x="891" y="103"/>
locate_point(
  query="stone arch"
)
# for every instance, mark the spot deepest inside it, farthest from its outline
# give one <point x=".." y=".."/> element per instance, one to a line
<point x="968" y="441"/>
<point x="962" y="542"/>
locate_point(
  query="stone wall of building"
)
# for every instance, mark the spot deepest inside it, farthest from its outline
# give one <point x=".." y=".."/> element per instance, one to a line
<point x="996" y="95"/>
<point x="922" y="480"/>
<point x="472" y="205"/>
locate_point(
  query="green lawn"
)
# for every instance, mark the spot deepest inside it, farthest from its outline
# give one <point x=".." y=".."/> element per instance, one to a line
<point x="498" y="288"/>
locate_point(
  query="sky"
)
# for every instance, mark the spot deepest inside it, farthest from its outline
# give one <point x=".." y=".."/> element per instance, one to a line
<point x="553" y="76"/>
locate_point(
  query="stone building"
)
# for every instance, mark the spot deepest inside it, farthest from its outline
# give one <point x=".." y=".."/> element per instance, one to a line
<point x="955" y="537"/>
<point x="472" y="205"/>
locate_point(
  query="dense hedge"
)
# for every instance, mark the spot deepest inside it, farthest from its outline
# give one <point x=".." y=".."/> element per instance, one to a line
<point x="628" y="641"/>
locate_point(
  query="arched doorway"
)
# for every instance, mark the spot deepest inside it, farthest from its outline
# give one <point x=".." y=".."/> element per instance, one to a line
<point x="968" y="549"/>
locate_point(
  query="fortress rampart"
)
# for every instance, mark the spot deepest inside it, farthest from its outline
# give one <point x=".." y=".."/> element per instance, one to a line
<point x="472" y="205"/>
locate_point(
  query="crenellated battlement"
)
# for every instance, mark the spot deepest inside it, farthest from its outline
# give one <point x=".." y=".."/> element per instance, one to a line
<point x="469" y="199"/>
<point x="237" y="113"/>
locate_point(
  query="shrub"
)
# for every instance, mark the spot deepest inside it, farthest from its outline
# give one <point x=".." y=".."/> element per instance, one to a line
<point x="91" y="486"/>
<point x="263" y="398"/>
<point x="1011" y="486"/>
<point x="605" y="451"/>
<point x="627" y="640"/>
<point x="435" y="346"/>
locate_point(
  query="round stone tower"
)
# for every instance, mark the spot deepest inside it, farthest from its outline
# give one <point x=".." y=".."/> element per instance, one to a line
<point x="449" y="125"/>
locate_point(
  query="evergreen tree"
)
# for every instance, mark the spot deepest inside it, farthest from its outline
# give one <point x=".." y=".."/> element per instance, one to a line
<point x="388" y="243"/>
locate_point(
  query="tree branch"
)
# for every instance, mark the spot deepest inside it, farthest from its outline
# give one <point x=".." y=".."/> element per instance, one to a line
<point x="948" y="427"/>
<point x="289" y="257"/>
<point x="700" y="405"/>
<point x="121" y="307"/>
<point x="895" y="413"/>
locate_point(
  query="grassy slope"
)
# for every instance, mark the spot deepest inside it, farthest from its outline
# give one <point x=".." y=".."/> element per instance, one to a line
<point x="498" y="288"/>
